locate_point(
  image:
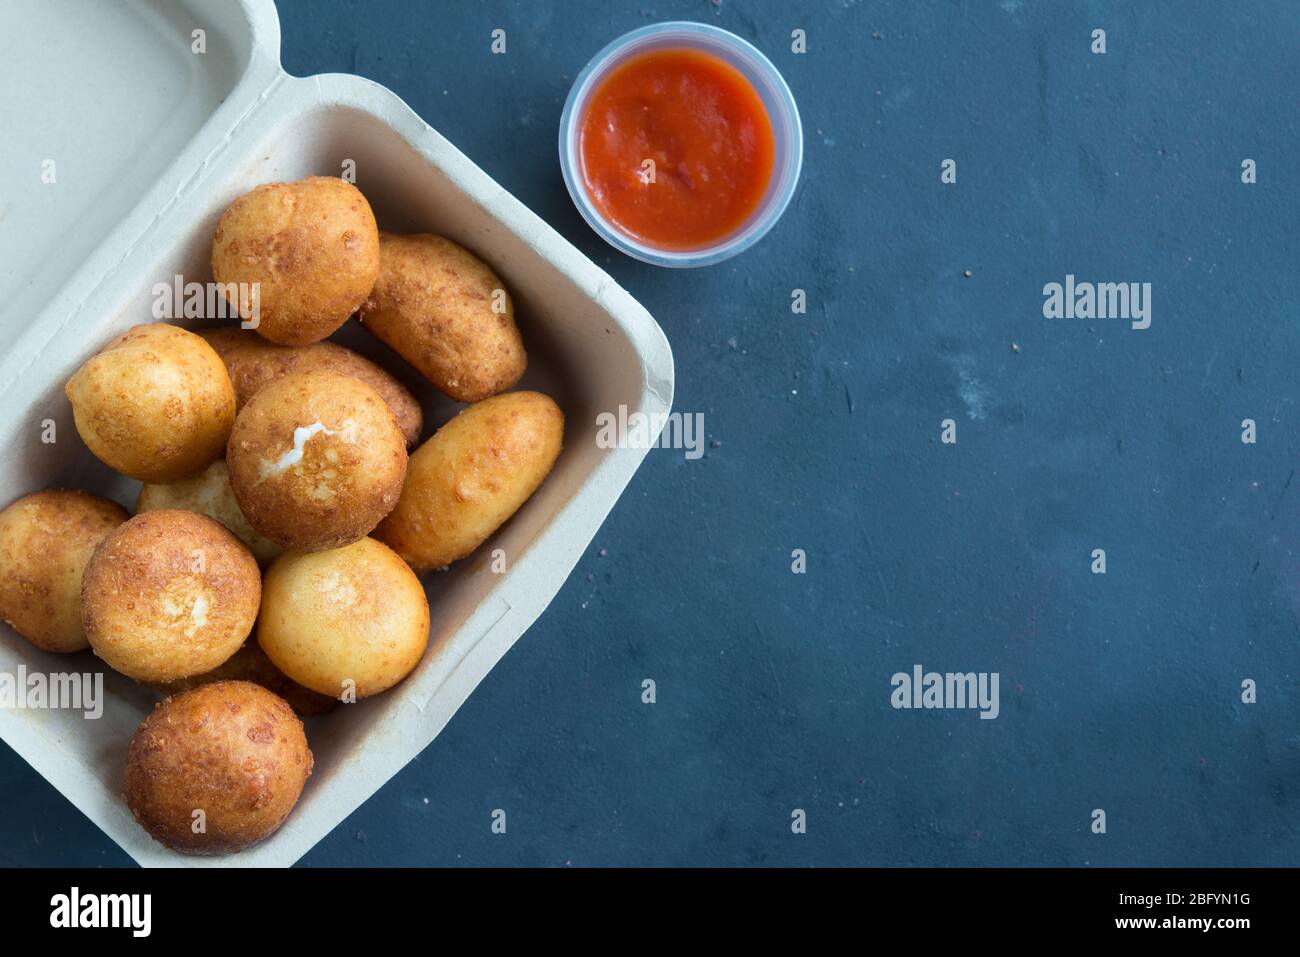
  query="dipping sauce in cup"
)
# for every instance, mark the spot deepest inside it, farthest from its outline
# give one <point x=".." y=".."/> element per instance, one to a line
<point x="680" y="144"/>
<point x="676" y="148"/>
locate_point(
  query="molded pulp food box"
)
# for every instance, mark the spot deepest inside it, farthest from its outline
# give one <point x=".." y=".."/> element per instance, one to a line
<point x="149" y="142"/>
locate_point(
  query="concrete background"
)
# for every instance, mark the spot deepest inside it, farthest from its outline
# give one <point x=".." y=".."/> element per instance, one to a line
<point x="1120" y="691"/>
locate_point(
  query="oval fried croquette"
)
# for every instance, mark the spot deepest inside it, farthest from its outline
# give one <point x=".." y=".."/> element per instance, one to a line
<point x="446" y="313"/>
<point x="472" y="475"/>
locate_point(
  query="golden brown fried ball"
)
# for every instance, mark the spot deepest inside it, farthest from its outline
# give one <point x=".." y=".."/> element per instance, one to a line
<point x="209" y="493"/>
<point x="316" y="460"/>
<point x="312" y="249"/>
<point x="156" y="404"/>
<point x="217" y="769"/>
<point x="472" y="475"/>
<point x="169" y="594"/>
<point x="45" y="541"/>
<point x="250" y="663"/>
<point x="352" y="620"/>
<point x="446" y="313"/>
<point x="253" y="362"/>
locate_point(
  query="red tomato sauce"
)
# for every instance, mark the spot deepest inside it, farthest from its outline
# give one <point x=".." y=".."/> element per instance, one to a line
<point x="706" y="130"/>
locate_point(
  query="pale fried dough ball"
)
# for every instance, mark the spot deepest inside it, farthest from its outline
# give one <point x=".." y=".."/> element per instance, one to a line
<point x="312" y="249"/>
<point x="169" y="594"/>
<point x="316" y="460"/>
<point x="253" y="362"/>
<point x="231" y="750"/>
<point x="351" y="619"/>
<point x="45" y="541"/>
<point x="156" y="404"/>
<point x="472" y="475"/>
<point x="445" y="312"/>
<point x="209" y="493"/>
<point x="250" y="663"/>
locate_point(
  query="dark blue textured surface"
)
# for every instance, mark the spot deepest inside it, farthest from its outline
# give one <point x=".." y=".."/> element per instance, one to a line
<point x="1120" y="691"/>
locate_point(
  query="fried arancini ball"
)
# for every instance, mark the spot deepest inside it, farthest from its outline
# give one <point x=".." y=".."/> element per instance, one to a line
<point x="169" y="594"/>
<point x="351" y="620"/>
<point x="209" y="493"/>
<point x="445" y="312"/>
<point x="472" y="475"/>
<point x="156" y="404"/>
<point x="316" y="460"/>
<point x="45" y="541"/>
<point x="310" y="247"/>
<point x="217" y="769"/>
<point x="253" y="362"/>
<point x="250" y="663"/>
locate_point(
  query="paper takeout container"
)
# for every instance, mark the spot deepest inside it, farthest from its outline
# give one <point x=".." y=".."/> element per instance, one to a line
<point x="150" y="141"/>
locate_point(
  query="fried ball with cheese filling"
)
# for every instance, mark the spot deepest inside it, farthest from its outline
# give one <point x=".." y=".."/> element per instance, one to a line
<point x="169" y="594"/>
<point x="316" y="460"/>
<point x="351" y="621"/>
<point x="45" y="541"/>
<point x="297" y="258"/>
<point x="217" y="769"/>
<point x="156" y="404"/>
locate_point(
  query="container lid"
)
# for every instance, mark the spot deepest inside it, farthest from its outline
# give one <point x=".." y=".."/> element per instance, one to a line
<point x="109" y="109"/>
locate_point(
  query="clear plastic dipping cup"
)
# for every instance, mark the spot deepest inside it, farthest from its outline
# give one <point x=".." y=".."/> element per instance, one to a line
<point x="763" y="76"/>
